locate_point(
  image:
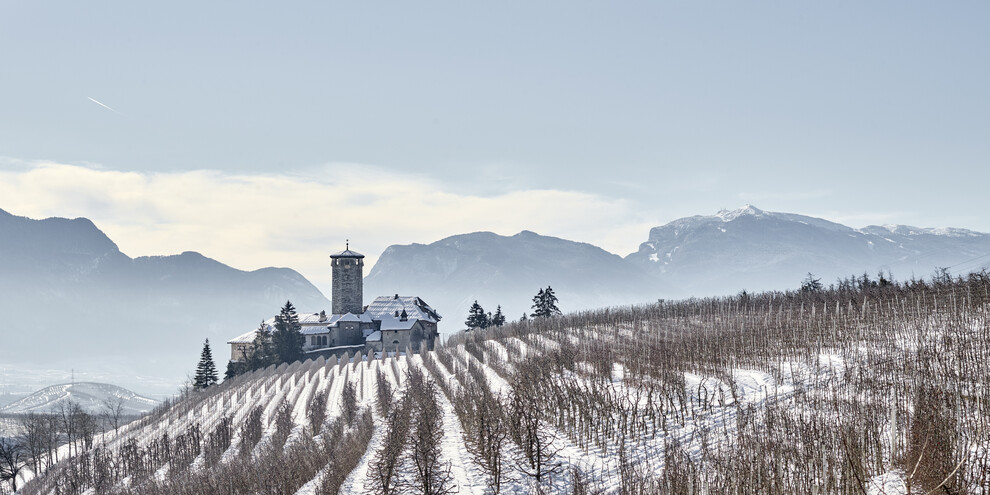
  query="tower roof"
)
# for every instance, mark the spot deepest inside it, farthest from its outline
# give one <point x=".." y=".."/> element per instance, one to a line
<point x="347" y="253"/>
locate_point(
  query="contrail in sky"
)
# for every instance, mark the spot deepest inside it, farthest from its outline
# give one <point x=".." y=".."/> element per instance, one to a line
<point x="104" y="106"/>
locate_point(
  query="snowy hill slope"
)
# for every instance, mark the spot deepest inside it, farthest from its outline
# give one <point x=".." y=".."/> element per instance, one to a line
<point x="90" y="396"/>
<point x="830" y="392"/>
<point x="754" y="249"/>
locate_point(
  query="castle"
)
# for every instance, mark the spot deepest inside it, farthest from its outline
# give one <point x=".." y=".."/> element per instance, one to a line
<point x="389" y="324"/>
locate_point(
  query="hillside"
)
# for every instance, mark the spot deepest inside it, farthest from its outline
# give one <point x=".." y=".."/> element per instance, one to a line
<point x="91" y="397"/>
<point x="870" y="389"/>
<point x="756" y="250"/>
<point x="72" y="299"/>
<point x="507" y="270"/>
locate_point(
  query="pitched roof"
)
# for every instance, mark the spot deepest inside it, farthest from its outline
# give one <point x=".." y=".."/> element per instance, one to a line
<point x="311" y="319"/>
<point x="312" y="330"/>
<point x="347" y="253"/>
<point x="363" y="318"/>
<point x="390" y="322"/>
<point x="246" y="338"/>
<point x="415" y="308"/>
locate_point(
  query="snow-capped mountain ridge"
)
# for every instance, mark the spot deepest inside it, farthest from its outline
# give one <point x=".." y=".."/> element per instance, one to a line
<point x="730" y="215"/>
<point x="753" y="249"/>
<point x="90" y="396"/>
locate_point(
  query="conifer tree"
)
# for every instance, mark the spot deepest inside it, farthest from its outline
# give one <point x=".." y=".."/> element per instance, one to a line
<point x="287" y="339"/>
<point x="206" y="372"/>
<point x="262" y="351"/>
<point x="498" y="319"/>
<point x="811" y="284"/>
<point x="538" y="305"/>
<point x="234" y="368"/>
<point x="476" y="317"/>
<point x="545" y="304"/>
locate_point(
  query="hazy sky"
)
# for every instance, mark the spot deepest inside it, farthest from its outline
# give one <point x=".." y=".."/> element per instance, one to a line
<point x="264" y="134"/>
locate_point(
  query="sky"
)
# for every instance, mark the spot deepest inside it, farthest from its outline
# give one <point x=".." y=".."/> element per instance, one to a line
<point x="265" y="134"/>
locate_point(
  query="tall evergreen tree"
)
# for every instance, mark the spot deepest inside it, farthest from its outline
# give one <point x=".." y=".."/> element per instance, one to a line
<point x="262" y="351"/>
<point x="499" y="318"/>
<point x="538" y="305"/>
<point x="545" y="304"/>
<point x="206" y="372"/>
<point x="287" y="339"/>
<point x="476" y="317"/>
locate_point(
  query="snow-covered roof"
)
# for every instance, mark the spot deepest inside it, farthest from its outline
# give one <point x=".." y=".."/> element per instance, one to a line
<point x="390" y="322"/>
<point x="312" y="330"/>
<point x="312" y="319"/>
<point x="310" y="323"/>
<point x="415" y="308"/>
<point x="245" y="338"/>
<point x="363" y="318"/>
<point x="375" y="336"/>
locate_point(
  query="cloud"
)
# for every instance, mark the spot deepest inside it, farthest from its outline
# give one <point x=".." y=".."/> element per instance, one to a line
<point x="296" y="220"/>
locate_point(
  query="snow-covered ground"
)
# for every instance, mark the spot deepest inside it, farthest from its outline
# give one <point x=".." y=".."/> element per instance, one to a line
<point x="639" y="421"/>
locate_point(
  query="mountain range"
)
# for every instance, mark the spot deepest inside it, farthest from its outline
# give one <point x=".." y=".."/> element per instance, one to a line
<point x="70" y="298"/>
<point x="91" y="397"/>
<point x="752" y="249"/>
<point x="452" y="273"/>
<point x="725" y="253"/>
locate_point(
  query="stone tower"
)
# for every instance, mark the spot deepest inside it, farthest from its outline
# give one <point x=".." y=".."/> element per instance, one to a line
<point x="348" y="281"/>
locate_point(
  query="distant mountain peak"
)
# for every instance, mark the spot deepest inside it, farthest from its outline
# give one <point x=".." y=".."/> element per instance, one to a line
<point x="746" y="210"/>
<point x="715" y="254"/>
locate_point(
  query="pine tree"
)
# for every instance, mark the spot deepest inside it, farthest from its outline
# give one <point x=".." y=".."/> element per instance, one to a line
<point x="811" y="284"/>
<point x="545" y="304"/>
<point x="538" y="305"/>
<point x="287" y="339"/>
<point x="550" y="303"/>
<point x="476" y="317"/>
<point x="499" y="319"/>
<point x="262" y="351"/>
<point x="234" y="368"/>
<point x="206" y="372"/>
